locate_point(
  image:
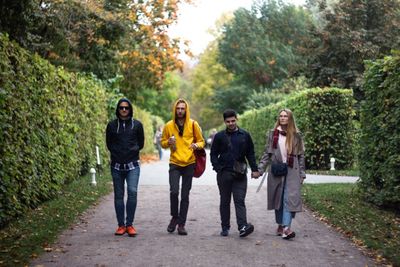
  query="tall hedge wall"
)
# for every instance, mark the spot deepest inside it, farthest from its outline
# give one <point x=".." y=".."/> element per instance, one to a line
<point x="50" y="122"/>
<point x="380" y="132"/>
<point x="324" y="116"/>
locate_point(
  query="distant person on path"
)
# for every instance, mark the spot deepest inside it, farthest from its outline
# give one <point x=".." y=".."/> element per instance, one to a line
<point x="179" y="135"/>
<point x="229" y="151"/>
<point x="125" y="138"/>
<point x="157" y="141"/>
<point x="211" y="137"/>
<point x="284" y="144"/>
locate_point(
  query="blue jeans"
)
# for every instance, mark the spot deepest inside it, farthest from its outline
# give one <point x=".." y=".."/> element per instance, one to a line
<point x="132" y="179"/>
<point x="159" y="148"/>
<point x="283" y="216"/>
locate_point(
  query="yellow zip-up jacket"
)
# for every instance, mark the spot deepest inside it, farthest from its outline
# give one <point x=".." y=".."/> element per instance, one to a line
<point x="183" y="155"/>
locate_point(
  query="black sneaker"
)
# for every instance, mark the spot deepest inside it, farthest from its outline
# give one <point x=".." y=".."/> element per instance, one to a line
<point x="172" y="225"/>
<point x="246" y="230"/>
<point x="225" y="231"/>
<point x="182" y="230"/>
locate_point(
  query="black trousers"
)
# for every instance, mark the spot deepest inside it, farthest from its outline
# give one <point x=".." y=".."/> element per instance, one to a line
<point x="175" y="172"/>
<point x="230" y="183"/>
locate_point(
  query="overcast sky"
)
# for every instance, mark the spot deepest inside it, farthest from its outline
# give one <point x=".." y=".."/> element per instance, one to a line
<point x="194" y="20"/>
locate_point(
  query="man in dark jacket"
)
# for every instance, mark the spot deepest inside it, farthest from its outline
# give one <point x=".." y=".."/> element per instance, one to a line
<point x="125" y="138"/>
<point x="229" y="151"/>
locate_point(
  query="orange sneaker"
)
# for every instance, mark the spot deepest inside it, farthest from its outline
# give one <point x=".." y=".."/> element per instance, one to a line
<point x="131" y="230"/>
<point x="121" y="230"/>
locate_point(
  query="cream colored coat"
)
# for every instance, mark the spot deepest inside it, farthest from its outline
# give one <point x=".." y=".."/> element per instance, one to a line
<point x="293" y="178"/>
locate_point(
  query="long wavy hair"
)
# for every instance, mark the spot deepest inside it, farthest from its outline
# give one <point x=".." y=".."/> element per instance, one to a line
<point x="291" y="128"/>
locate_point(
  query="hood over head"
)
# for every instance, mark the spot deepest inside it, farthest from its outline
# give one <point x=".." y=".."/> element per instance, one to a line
<point x="187" y="114"/>
<point x="130" y="114"/>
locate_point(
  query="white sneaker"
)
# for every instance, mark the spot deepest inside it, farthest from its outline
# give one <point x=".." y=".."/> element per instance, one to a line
<point x="288" y="234"/>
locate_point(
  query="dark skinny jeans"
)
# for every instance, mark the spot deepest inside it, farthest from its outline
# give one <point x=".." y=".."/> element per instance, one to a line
<point x="230" y="184"/>
<point x="175" y="172"/>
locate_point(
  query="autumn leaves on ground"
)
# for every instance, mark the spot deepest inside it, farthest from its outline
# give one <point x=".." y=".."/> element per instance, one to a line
<point x="375" y="231"/>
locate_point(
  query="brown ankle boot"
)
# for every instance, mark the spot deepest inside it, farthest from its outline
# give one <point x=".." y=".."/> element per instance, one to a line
<point x="182" y="230"/>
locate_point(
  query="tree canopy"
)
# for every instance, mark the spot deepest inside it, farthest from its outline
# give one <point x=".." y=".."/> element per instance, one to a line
<point x="262" y="46"/>
<point x="208" y="77"/>
<point x="353" y="31"/>
<point x="105" y="37"/>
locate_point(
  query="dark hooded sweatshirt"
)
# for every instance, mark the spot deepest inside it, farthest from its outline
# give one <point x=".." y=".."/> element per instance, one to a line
<point x="124" y="138"/>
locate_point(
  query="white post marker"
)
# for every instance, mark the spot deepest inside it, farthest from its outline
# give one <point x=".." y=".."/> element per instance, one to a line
<point x="93" y="172"/>
<point x="332" y="164"/>
<point x="98" y="155"/>
<point x="98" y="160"/>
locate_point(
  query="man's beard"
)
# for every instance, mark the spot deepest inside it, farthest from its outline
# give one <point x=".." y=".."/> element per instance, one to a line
<point x="232" y="128"/>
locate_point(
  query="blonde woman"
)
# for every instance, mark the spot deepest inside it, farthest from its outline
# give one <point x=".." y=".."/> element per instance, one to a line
<point x="284" y="156"/>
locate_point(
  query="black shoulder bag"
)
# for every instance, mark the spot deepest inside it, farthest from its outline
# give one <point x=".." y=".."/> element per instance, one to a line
<point x="238" y="166"/>
<point x="279" y="169"/>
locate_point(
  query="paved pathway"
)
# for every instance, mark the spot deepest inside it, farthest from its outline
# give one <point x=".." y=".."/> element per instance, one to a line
<point x="91" y="242"/>
<point x="157" y="174"/>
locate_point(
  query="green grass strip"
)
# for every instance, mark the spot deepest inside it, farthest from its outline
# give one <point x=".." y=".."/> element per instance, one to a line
<point x="350" y="172"/>
<point x="31" y="234"/>
<point x="367" y="225"/>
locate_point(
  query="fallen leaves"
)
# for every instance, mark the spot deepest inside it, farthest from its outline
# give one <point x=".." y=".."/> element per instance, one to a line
<point x="358" y="242"/>
<point x="148" y="158"/>
<point x="48" y="249"/>
<point x="374" y="231"/>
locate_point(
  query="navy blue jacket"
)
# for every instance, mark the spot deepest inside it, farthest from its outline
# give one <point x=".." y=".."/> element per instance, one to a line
<point x="223" y="154"/>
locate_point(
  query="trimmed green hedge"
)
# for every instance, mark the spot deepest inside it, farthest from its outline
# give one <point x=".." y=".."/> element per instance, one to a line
<point x="324" y="116"/>
<point x="50" y="121"/>
<point x="379" y="156"/>
<point x="146" y="119"/>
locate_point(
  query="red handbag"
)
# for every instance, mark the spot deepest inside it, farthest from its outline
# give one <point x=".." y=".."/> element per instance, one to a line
<point x="200" y="155"/>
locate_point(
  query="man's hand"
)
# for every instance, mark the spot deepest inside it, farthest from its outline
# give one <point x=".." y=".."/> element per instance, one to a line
<point x="171" y="140"/>
<point x="194" y="146"/>
<point x="255" y="175"/>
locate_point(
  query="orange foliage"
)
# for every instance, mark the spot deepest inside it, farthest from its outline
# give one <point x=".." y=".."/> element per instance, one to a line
<point x="153" y="52"/>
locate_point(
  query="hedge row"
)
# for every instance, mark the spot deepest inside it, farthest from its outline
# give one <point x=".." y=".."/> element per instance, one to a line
<point x="51" y="121"/>
<point x="324" y="116"/>
<point x="379" y="155"/>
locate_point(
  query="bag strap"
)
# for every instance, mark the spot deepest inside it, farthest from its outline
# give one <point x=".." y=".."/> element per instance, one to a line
<point x="194" y="135"/>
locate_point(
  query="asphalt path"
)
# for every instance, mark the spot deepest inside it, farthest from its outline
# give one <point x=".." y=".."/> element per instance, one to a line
<point x="91" y="242"/>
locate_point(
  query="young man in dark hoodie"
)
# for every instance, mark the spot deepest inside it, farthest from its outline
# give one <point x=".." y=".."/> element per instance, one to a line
<point x="125" y="138"/>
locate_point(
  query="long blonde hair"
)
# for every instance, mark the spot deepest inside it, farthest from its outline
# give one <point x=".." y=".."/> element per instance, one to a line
<point x="291" y="129"/>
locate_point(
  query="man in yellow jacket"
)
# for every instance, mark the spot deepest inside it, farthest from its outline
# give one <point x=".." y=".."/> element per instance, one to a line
<point x="182" y="135"/>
